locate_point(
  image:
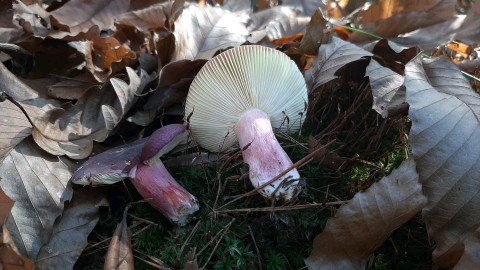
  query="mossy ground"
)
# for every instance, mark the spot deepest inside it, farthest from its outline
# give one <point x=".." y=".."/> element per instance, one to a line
<point x="254" y="239"/>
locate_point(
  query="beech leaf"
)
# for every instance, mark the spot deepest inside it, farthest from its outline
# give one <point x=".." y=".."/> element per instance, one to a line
<point x="120" y="254"/>
<point x="39" y="185"/>
<point x="72" y="129"/>
<point x="391" y="18"/>
<point x="87" y="14"/>
<point x="201" y="31"/>
<point x="70" y="232"/>
<point x="14" y="126"/>
<point x="388" y="93"/>
<point x="444" y="137"/>
<point x="174" y="81"/>
<point x="277" y="22"/>
<point x="331" y="57"/>
<point x="363" y="224"/>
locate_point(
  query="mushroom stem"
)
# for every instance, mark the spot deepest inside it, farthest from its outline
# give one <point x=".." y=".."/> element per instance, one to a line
<point x="161" y="190"/>
<point x="265" y="157"/>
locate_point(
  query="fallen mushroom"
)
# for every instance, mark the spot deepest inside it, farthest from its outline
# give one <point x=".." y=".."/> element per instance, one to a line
<point x="239" y="95"/>
<point x="140" y="161"/>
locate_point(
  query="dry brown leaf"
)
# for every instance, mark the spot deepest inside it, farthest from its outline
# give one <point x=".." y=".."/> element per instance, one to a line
<point x="71" y="88"/>
<point x="6" y="205"/>
<point x="9" y="33"/>
<point x="33" y="18"/>
<point x="363" y="224"/>
<point x="39" y="184"/>
<point x="306" y="7"/>
<point x="388" y="93"/>
<point x="71" y="130"/>
<point x="445" y="114"/>
<point x="201" y="31"/>
<point x="389" y="18"/>
<point x="101" y="52"/>
<point x="120" y="254"/>
<point x="14" y="126"/>
<point x="315" y="34"/>
<point x="331" y="57"/>
<point x="276" y="22"/>
<point x="77" y="16"/>
<point x="394" y="55"/>
<point x="150" y="18"/>
<point x="10" y="260"/>
<point x="174" y="80"/>
<point x="70" y="232"/>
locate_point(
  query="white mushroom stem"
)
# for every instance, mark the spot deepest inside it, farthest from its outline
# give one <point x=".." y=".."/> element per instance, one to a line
<point x="265" y="157"/>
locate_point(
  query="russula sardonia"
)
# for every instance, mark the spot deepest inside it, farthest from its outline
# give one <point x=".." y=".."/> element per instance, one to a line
<point x="239" y="95"/>
<point x="140" y="161"/>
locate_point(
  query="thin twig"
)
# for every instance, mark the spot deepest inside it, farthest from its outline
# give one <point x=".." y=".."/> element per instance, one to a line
<point x="226" y="228"/>
<point x="194" y="230"/>
<point x="283" y="208"/>
<point x="259" y="256"/>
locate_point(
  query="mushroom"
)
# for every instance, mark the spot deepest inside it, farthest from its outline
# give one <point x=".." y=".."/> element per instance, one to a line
<point x="241" y="95"/>
<point x="140" y="161"/>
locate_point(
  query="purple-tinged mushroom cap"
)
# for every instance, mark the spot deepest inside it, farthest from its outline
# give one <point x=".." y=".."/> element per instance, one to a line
<point x="110" y="166"/>
<point x="242" y="95"/>
<point x="140" y="161"/>
<point x="162" y="141"/>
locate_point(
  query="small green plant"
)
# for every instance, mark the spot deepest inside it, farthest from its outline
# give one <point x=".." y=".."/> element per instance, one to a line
<point x="276" y="261"/>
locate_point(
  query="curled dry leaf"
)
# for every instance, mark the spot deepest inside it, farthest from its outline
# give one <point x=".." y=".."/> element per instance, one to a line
<point x="120" y="254"/>
<point x="39" y="184"/>
<point x="394" y="17"/>
<point x="388" y="93"/>
<point x="445" y="115"/>
<point x="201" y="31"/>
<point x="363" y="224"/>
<point x="463" y="27"/>
<point x="315" y="34"/>
<point x="174" y="80"/>
<point x="101" y="52"/>
<point x="150" y="18"/>
<point x="14" y="126"/>
<point x="71" y="88"/>
<point x="33" y="18"/>
<point x="276" y="22"/>
<point x="70" y="231"/>
<point x="86" y="14"/>
<point x="331" y="57"/>
<point x="72" y="129"/>
<point x="9" y="33"/>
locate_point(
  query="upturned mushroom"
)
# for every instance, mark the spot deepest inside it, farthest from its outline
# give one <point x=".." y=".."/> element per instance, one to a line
<point x="140" y="161"/>
<point x="242" y="95"/>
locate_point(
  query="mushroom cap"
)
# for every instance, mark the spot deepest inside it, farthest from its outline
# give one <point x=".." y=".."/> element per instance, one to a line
<point x="243" y="78"/>
<point x="110" y="166"/>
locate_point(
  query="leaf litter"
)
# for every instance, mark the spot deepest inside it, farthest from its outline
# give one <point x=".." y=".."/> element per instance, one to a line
<point x="109" y="73"/>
